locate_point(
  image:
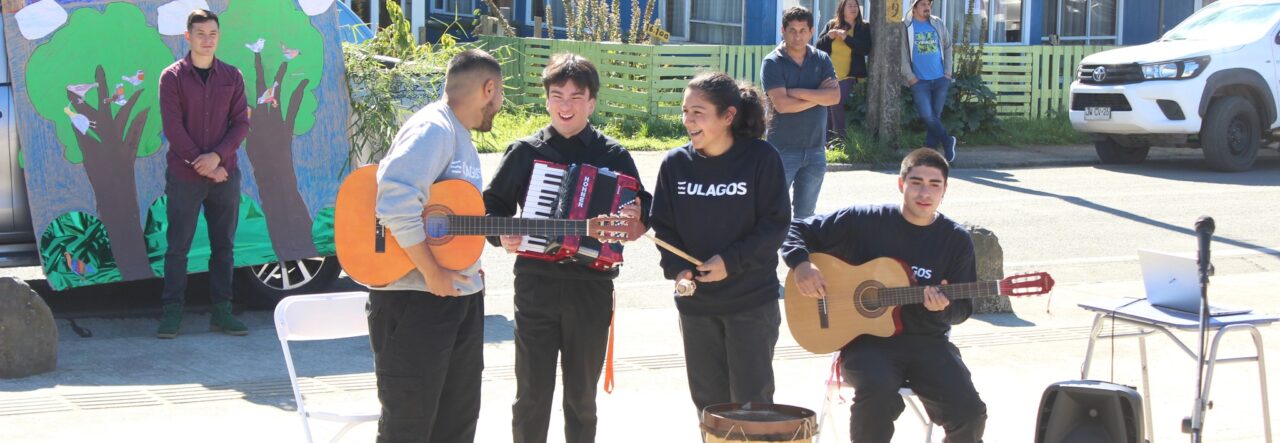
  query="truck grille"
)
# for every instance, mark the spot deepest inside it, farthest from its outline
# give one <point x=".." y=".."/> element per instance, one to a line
<point x="1116" y="102"/>
<point x="1112" y="74"/>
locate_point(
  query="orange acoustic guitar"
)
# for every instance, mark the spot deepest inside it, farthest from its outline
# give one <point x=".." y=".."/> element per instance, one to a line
<point x="866" y="299"/>
<point x="455" y="224"/>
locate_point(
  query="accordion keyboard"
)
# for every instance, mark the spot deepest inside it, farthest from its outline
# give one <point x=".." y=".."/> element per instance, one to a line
<point x="540" y="200"/>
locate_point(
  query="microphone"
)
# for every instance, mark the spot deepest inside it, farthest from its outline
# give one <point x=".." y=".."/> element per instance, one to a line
<point x="1204" y="233"/>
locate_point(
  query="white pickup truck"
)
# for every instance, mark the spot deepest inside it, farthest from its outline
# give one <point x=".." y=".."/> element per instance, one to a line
<point x="1211" y="82"/>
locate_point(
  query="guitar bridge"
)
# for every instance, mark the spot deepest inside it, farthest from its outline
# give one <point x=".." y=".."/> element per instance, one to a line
<point x="379" y="237"/>
<point x="823" y="321"/>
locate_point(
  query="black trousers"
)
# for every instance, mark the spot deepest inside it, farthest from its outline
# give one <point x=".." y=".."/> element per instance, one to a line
<point x="221" y="202"/>
<point x="729" y="358"/>
<point x="566" y="320"/>
<point x="428" y="356"/>
<point x="876" y="367"/>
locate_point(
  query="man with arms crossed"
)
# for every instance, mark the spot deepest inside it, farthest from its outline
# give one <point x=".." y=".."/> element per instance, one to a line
<point x="800" y="83"/>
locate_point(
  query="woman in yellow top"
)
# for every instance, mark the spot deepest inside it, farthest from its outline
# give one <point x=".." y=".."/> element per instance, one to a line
<point x="847" y="38"/>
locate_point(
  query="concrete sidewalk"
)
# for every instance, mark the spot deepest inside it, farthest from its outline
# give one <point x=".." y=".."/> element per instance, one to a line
<point x="121" y="384"/>
<point x="124" y="385"/>
<point x="997" y="157"/>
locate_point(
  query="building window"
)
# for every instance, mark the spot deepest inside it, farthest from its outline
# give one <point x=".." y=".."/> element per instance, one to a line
<point x="1002" y="19"/>
<point x="1006" y="21"/>
<point x="538" y="8"/>
<point x="715" y="22"/>
<point x="458" y="7"/>
<point x="675" y="18"/>
<point x="695" y="21"/>
<point x="1082" y="22"/>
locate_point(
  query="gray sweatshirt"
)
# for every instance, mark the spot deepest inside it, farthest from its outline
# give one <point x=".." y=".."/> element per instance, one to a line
<point x="431" y="146"/>
<point x="948" y="63"/>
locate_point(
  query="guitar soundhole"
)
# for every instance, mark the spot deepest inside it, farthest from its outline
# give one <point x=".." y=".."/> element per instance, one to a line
<point x="436" y="223"/>
<point x="867" y="299"/>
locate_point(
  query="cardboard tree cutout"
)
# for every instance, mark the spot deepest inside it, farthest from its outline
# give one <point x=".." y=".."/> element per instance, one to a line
<point x="101" y="102"/>
<point x="281" y="55"/>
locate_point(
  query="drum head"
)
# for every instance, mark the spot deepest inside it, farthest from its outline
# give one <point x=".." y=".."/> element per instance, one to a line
<point x="758" y="422"/>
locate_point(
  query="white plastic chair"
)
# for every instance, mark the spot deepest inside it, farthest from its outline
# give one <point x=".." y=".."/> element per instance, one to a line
<point x="833" y="386"/>
<point x="322" y="317"/>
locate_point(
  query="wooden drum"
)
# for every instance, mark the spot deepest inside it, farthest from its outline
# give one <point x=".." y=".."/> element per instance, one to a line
<point x="758" y="422"/>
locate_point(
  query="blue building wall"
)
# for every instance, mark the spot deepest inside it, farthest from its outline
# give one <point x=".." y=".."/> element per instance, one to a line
<point x="521" y="9"/>
<point x="1035" y="26"/>
<point x="1142" y="19"/>
<point x="761" y="22"/>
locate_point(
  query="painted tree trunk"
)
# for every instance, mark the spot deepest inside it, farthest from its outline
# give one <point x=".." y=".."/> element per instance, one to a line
<point x="109" y="163"/>
<point x="270" y="149"/>
<point x="884" y="109"/>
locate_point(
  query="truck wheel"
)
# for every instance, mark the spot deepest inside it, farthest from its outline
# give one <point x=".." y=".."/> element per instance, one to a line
<point x="1112" y="153"/>
<point x="263" y="286"/>
<point x="1230" y="135"/>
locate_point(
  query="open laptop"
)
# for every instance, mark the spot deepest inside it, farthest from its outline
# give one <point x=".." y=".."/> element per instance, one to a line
<point x="1173" y="282"/>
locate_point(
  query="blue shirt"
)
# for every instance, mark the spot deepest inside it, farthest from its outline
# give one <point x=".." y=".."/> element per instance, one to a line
<point x="926" y="51"/>
<point x="807" y="128"/>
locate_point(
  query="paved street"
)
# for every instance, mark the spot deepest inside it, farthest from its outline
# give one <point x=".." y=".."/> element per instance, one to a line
<point x="1081" y="223"/>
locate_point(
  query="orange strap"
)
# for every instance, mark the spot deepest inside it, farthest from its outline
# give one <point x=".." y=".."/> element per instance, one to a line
<point x="608" y="353"/>
<point x="836" y="377"/>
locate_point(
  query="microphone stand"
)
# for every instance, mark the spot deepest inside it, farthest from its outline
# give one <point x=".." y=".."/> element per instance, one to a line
<point x="1194" y="425"/>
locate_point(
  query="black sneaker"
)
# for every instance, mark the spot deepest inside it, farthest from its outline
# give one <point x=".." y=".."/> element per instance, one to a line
<point x="949" y="149"/>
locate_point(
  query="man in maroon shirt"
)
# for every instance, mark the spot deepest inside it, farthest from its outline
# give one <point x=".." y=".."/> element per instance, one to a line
<point x="205" y="118"/>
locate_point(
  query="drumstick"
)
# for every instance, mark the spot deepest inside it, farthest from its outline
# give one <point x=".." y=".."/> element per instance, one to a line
<point x="681" y="290"/>
<point x="665" y="245"/>
<point x="673" y="249"/>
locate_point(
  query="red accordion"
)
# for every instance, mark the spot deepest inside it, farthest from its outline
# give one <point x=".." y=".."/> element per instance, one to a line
<point x="576" y="192"/>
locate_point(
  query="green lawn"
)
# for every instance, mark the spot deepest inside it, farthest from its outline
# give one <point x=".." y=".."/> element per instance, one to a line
<point x="518" y="122"/>
<point x="665" y="133"/>
<point x="1016" y="132"/>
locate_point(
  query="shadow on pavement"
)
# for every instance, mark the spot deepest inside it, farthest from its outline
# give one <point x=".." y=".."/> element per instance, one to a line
<point x="1263" y="172"/>
<point x="1004" y="319"/>
<point x="1000" y="180"/>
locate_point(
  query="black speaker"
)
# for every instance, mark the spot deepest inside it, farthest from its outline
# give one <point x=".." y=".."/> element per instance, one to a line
<point x="1087" y="411"/>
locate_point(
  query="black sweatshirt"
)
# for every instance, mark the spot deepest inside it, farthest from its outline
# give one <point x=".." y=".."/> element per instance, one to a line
<point x="507" y="188"/>
<point x="859" y="41"/>
<point x="734" y="205"/>
<point x="857" y="234"/>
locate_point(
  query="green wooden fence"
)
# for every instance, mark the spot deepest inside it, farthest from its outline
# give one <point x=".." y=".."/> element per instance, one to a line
<point x="645" y="80"/>
<point x="1032" y="81"/>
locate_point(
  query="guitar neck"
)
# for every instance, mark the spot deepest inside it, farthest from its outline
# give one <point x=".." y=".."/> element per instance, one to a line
<point x="960" y="291"/>
<point x="481" y="225"/>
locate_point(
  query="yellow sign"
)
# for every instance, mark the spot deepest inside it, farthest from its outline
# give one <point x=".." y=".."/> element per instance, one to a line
<point x="657" y="33"/>
<point x="893" y="11"/>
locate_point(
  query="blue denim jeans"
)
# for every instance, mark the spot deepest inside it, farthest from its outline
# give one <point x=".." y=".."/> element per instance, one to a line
<point x="805" y="168"/>
<point x="221" y="202"/>
<point x="930" y="97"/>
<point x="837" y="128"/>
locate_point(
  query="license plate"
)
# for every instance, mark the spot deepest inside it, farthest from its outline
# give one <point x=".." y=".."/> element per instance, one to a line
<point x="1097" y="113"/>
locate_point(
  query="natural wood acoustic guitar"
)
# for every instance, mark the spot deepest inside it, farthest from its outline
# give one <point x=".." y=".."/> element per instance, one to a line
<point x="867" y="299"/>
<point x="455" y="225"/>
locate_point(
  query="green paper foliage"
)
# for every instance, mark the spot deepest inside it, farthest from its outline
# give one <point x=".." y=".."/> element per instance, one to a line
<point x="119" y="39"/>
<point x="277" y="22"/>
